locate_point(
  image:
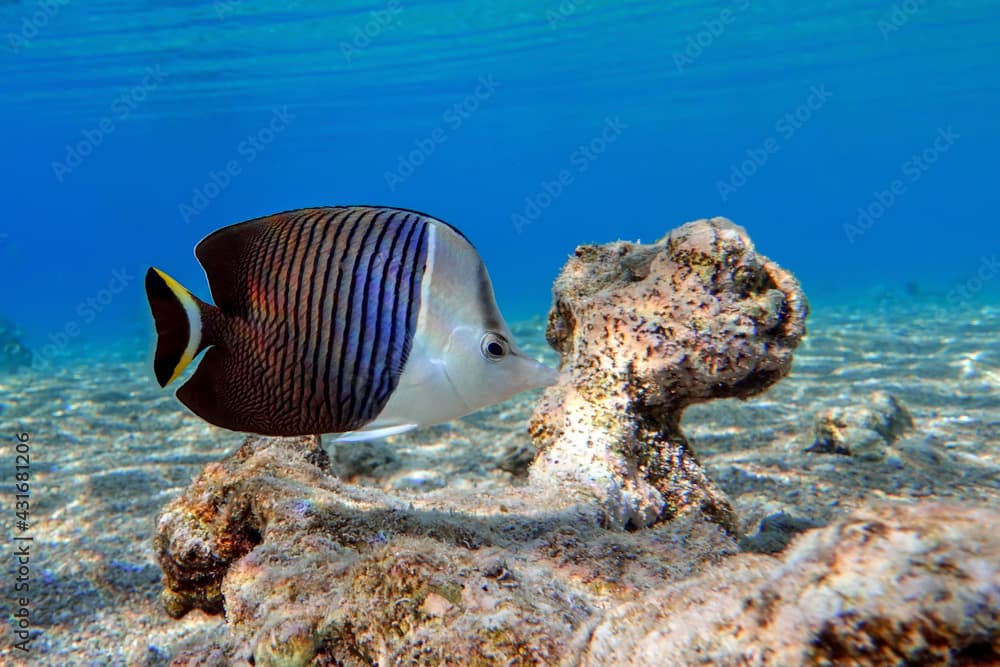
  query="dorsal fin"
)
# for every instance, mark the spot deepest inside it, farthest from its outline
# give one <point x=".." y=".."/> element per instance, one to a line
<point x="223" y="255"/>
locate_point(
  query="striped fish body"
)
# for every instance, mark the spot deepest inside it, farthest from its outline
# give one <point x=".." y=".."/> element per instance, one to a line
<point x="337" y="320"/>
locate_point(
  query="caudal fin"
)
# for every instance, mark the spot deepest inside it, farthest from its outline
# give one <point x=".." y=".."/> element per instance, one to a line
<point x="185" y="325"/>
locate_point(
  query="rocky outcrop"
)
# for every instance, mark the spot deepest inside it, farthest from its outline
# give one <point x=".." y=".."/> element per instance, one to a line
<point x="644" y="331"/>
<point x="897" y="585"/>
<point x="311" y="571"/>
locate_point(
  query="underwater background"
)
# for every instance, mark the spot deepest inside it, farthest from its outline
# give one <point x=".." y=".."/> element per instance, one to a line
<point x="856" y="141"/>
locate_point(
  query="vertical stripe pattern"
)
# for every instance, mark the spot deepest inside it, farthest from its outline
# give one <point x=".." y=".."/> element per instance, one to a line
<point x="331" y="302"/>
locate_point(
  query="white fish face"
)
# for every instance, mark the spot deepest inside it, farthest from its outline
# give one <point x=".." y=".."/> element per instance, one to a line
<point x="451" y="376"/>
<point x="464" y="357"/>
<point x="424" y="395"/>
<point x="479" y="357"/>
<point x="485" y="367"/>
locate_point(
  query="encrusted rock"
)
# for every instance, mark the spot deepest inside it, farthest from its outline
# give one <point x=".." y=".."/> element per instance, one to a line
<point x="309" y="568"/>
<point x="341" y="575"/>
<point x="644" y="331"/>
<point x="863" y="431"/>
<point x="896" y="585"/>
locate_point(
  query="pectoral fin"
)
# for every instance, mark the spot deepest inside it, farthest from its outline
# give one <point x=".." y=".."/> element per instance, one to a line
<point x="375" y="433"/>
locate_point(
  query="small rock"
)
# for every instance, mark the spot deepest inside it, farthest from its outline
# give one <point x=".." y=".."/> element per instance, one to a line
<point x="774" y="533"/>
<point x="366" y="458"/>
<point x="865" y="431"/>
<point x="516" y="457"/>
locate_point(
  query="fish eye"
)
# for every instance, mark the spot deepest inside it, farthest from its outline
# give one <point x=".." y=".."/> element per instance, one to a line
<point x="494" y="346"/>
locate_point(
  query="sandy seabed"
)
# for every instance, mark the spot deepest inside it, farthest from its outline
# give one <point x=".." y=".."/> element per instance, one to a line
<point x="109" y="449"/>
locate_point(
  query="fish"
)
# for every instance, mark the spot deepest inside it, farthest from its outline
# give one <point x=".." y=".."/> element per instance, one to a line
<point x="360" y="321"/>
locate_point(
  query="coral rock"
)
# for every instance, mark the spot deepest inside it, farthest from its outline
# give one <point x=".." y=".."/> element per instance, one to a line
<point x="644" y="331"/>
<point x="864" y="431"/>
<point x="309" y="568"/>
<point x="897" y="585"/>
<point x="342" y="575"/>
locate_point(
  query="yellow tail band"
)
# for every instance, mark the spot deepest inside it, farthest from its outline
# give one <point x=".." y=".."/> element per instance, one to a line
<point x="193" y="313"/>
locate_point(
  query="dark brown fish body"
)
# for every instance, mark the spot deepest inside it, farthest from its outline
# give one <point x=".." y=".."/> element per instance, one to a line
<point x="316" y="315"/>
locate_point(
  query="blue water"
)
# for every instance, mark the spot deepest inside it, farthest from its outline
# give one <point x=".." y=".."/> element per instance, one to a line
<point x="856" y="141"/>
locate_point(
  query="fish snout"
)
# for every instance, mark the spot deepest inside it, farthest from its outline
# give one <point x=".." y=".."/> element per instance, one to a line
<point x="535" y="374"/>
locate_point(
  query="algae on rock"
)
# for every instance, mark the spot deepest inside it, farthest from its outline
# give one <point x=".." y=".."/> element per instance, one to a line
<point x="308" y="568"/>
<point x="644" y="331"/>
<point x="312" y="571"/>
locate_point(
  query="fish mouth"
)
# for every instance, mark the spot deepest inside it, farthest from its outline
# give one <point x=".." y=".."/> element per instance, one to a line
<point x="550" y="375"/>
<point x="540" y="374"/>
